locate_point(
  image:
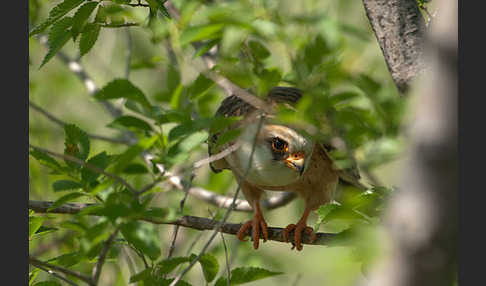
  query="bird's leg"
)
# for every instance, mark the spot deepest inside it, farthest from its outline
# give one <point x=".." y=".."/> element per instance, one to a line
<point x="298" y="228"/>
<point x="257" y="224"/>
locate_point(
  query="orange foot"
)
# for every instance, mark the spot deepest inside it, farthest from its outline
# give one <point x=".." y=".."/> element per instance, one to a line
<point x="257" y="224"/>
<point x="298" y="229"/>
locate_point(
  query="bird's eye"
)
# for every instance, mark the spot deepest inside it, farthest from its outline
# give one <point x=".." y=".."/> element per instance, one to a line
<point x="279" y="145"/>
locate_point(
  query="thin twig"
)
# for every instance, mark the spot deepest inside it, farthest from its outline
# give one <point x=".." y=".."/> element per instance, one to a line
<point x="87" y="165"/>
<point x="226" y="260"/>
<point x="101" y="260"/>
<point x="58" y="121"/>
<point x="128" y="57"/>
<point x="56" y="275"/>
<point x="181" y="208"/>
<point x="119" y="25"/>
<point x="228" y="211"/>
<point x="36" y="262"/>
<point x="75" y="67"/>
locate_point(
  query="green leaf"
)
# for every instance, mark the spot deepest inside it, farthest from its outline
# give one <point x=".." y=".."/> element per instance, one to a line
<point x="210" y="266"/>
<point x="122" y="88"/>
<point x="81" y="17"/>
<point x="55" y="14"/>
<point x="227" y="137"/>
<point x="243" y="275"/>
<point x="126" y="157"/>
<point x="100" y="161"/>
<point x="258" y="50"/>
<point x="323" y="212"/>
<point x="143" y="236"/>
<point x="45" y="159"/>
<point x="58" y="36"/>
<point x="205" y="48"/>
<point x="47" y="283"/>
<point x="64" y="199"/>
<point x="135" y="169"/>
<point x="143" y="275"/>
<point x="169" y="264"/>
<point x="200" y="86"/>
<point x="76" y="144"/>
<point x="34" y="224"/>
<point x="65" y="185"/>
<point x="198" y="33"/>
<point x="129" y="122"/>
<point x="88" y="38"/>
<point x="44" y="230"/>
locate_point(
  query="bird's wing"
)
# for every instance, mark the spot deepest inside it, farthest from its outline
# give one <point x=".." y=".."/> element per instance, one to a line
<point x="235" y="106"/>
<point x="231" y="106"/>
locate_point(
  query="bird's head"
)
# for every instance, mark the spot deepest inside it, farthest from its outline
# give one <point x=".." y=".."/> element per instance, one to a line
<point x="281" y="154"/>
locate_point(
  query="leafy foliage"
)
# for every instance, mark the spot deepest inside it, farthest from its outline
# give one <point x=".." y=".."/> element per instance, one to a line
<point x="168" y="106"/>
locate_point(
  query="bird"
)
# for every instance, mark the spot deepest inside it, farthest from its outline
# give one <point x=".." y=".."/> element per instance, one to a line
<point x="272" y="156"/>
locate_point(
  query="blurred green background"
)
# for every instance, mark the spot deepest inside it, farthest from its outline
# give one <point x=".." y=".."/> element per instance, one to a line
<point x="345" y="59"/>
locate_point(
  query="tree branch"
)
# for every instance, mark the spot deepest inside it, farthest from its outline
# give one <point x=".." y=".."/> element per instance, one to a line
<point x="399" y="29"/>
<point x="101" y="260"/>
<point x="58" y="121"/>
<point x="35" y="262"/>
<point x="198" y="223"/>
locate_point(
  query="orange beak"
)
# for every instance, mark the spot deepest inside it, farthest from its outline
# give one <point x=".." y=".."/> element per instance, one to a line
<point x="296" y="162"/>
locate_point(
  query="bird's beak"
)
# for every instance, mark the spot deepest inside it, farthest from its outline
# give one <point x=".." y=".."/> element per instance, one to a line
<point x="296" y="162"/>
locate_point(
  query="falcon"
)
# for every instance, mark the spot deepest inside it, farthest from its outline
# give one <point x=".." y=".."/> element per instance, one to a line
<point x="268" y="156"/>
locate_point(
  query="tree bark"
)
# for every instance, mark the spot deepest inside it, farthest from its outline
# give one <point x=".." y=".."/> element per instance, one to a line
<point x="422" y="218"/>
<point x="399" y="28"/>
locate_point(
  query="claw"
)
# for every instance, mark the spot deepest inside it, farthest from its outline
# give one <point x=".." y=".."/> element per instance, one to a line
<point x="244" y="231"/>
<point x="257" y="224"/>
<point x="298" y="229"/>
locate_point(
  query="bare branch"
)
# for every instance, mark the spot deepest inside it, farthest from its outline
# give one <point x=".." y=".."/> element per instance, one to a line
<point x="35" y="262"/>
<point x="399" y="28"/>
<point x="58" y="121"/>
<point x="198" y="223"/>
<point x="101" y="260"/>
<point x="56" y="275"/>
<point x="89" y="166"/>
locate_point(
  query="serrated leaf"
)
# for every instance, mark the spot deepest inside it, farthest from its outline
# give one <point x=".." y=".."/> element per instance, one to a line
<point x="55" y="14"/>
<point x="44" y="159"/>
<point x="126" y="157"/>
<point x="64" y="199"/>
<point x="210" y="266"/>
<point x="143" y="236"/>
<point x="34" y="224"/>
<point x="198" y="33"/>
<point x="135" y="168"/>
<point x="100" y="161"/>
<point x="141" y="276"/>
<point x="243" y="275"/>
<point x="65" y="185"/>
<point x="58" y="36"/>
<point x="81" y="17"/>
<point x="89" y="35"/>
<point x="258" y="50"/>
<point x="227" y="137"/>
<point x="76" y="144"/>
<point x="169" y="264"/>
<point x="128" y="121"/>
<point x="122" y="88"/>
